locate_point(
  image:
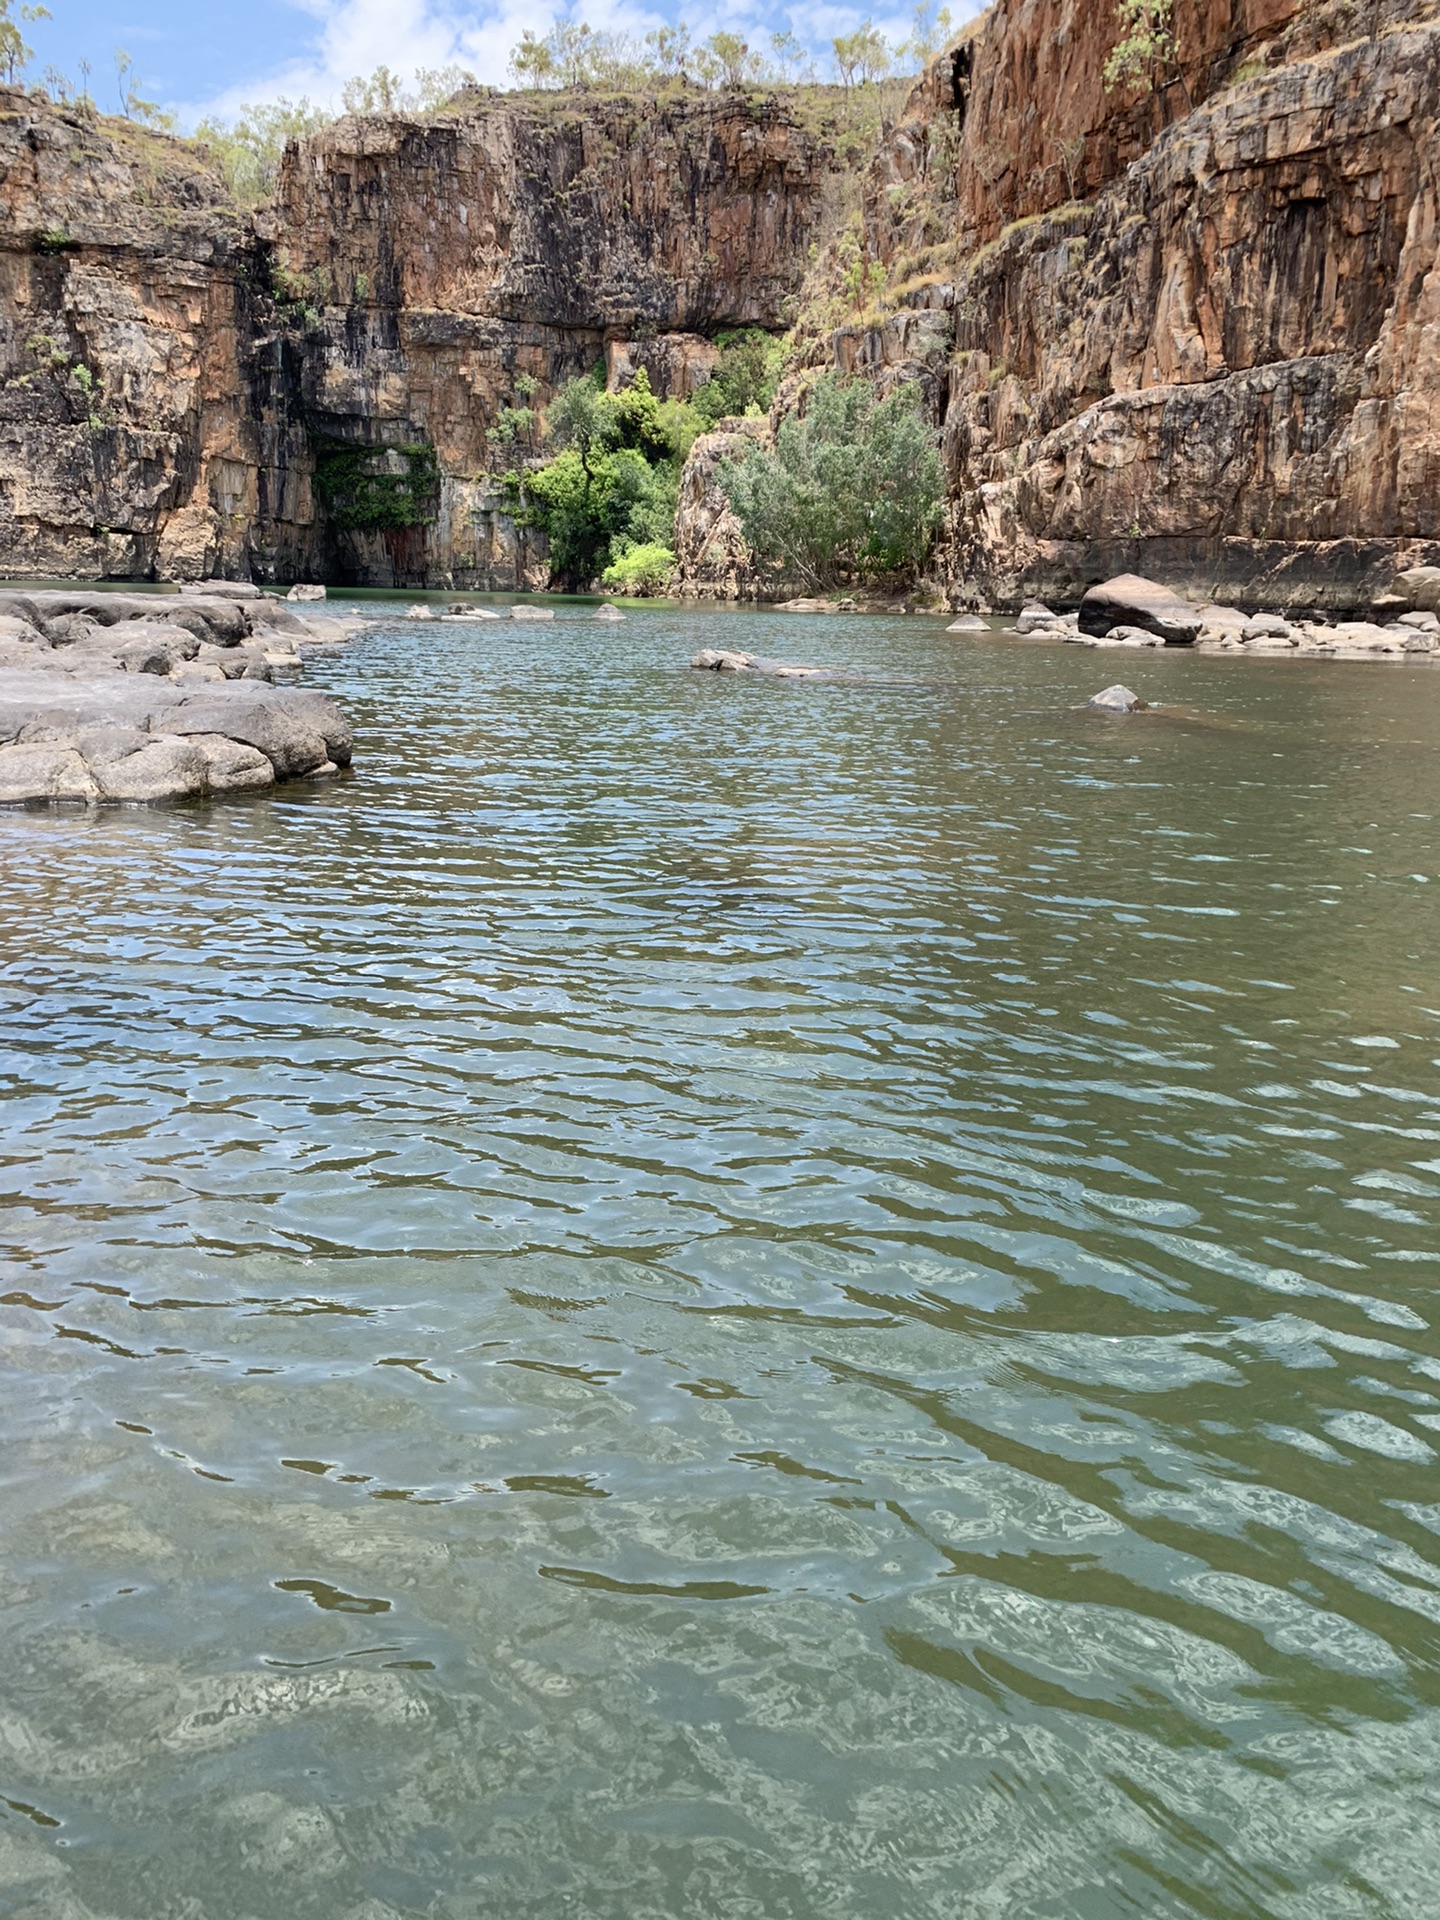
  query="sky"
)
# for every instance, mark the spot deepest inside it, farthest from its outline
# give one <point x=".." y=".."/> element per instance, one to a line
<point x="209" y="56"/>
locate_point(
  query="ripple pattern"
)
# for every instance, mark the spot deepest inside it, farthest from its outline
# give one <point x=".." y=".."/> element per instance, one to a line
<point x="696" y="1296"/>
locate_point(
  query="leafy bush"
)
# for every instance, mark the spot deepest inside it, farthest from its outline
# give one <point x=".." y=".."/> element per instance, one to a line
<point x="363" y="493"/>
<point x="643" y="569"/>
<point x="851" y="489"/>
<point x="614" y="483"/>
<point x="745" y="376"/>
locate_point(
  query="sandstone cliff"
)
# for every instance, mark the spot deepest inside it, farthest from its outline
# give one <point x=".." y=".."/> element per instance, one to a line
<point x="187" y="392"/>
<point x="1191" y="334"/>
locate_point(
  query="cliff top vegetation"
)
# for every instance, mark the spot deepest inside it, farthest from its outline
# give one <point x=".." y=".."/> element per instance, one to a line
<point x="863" y="77"/>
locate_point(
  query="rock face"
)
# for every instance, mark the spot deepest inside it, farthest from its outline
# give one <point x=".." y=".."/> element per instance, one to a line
<point x="1192" y="334"/>
<point x="1224" y="367"/>
<point x="315" y="393"/>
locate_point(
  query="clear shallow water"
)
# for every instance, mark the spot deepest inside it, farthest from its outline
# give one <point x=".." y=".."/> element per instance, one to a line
<point x="712" y="1297"/>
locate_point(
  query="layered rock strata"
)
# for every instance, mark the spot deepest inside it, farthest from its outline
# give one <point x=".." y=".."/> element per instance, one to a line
<point x="1190" y="333"/>
<point x="335" y="388"/>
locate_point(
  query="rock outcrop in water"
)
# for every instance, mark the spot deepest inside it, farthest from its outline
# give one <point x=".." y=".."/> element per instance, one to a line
<point x="129" y="697"/>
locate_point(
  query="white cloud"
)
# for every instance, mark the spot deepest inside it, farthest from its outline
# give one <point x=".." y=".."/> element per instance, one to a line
<point x="356" y="36"/>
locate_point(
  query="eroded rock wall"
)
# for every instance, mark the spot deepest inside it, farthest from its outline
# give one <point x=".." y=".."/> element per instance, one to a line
<point x="1227" y="365"/>
<point x="1215" y="361"/>
<point x="173" y="373"/>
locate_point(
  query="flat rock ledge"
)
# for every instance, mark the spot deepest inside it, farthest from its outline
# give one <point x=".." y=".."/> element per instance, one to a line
<point x="138" y="697"/>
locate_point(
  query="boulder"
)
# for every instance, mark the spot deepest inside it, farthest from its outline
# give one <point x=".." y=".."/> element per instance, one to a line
<point x="266" y="612"/>
<point x="1116" y="699"/>
<point x="1037" y="618"/>
<point x="129" y="765"/>
<point x="302" y="591"/>
<point x="44" y="770"/>
<point x="607" y="612"/>
<point x="807" y="605"/>
<point x="1220" y="619"/>
<point x="968" y="623"/>
<point x="1266" y="626"/>
<point x="1420" y="587"/>
<point x="532" y="613"/>
<point x="22" y="633"/>
<point x="223" y="590"/>
<point x="420" y="612"/>
<point x="291" y="747"/>
<point x="1421" y="622"/>
<point x="231" y="766"/>
<point x="717" y="660"/>
<point x="1131" y="601"/>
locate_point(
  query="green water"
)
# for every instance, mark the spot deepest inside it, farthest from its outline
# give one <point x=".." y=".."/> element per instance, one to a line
<point x="698" y="1296"/>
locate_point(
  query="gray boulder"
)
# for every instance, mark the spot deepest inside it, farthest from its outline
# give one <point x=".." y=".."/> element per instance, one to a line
<point x="532" y="613"/>
<point x="303" y="591"/>
<point x="1116" y="699"/>
<point x="231" y="766"/>
<point x="718" y="660"/>
<point x="1131" y="601"/>
<point x="1420" y="587"/>
<point x="223" y="590"/>
<point x="968" y="623"/>
<point x="266" y="612"/>
<point x="44" y="770"/>
<point x="128" y="765"/>
<point x="291" y="747"/>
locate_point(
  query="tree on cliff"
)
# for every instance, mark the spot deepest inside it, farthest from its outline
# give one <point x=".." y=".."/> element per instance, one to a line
<point x="851" y="489"/>
<point x="15" y="56"/>
<point x="1145" y="49"/>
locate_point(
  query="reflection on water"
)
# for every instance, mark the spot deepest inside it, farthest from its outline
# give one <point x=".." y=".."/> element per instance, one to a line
<point x="697" y="1296"/>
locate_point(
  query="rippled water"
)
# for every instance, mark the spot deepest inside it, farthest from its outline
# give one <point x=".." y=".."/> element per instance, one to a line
<point x="696" y="1296"/>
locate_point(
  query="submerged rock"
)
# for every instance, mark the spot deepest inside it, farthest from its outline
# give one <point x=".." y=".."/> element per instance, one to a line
<point x="607" y="612"/>
<point x="1116" y="699"/>
<point x="532" y="613"/>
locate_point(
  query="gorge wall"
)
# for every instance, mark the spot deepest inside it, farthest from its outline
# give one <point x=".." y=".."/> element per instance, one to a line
<point x="1195" y="334"/>
<point x="1193" y="331"/>
<point x="316" y="391"/>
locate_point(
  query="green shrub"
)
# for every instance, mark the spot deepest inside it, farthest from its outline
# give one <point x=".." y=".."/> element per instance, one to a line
<point x="643" y="569"/>
<point x="745" y="376"/>
<point x="614" y="483"/>
<point x="362" y="494"/>
<point x="852" y="489"/>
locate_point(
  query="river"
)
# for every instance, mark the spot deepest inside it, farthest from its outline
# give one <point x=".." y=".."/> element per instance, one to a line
<point x="698" y="1295"/>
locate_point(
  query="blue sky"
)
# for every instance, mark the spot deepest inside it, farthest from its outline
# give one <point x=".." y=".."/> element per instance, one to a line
<point x="197" y="56"/>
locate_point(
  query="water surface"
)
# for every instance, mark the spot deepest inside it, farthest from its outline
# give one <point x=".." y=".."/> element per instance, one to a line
<point x="697" y="1296"/>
